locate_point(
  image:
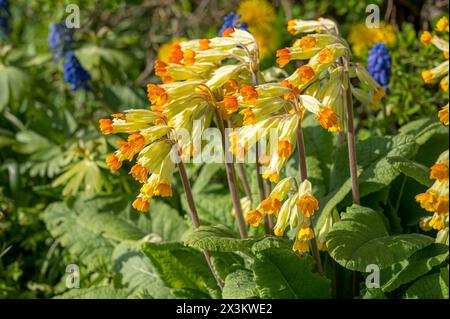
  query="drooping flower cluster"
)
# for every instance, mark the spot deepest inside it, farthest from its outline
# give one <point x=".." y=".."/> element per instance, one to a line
<point x="196" y="87"/>
<point x="293" y="209"/>
<point x="75" y="74"/>
<point x="60" y="40"/>
<point x="5" y="15"/>
<point x="218" y="80"/>
<point x="379" y="65"/>
<point x="362" y="38"/>
<point x="435" y="200"/>
<point x="231" y="21"/>
<point x="441" y="70"/>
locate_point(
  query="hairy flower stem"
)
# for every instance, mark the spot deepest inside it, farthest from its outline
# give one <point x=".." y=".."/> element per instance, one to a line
<point x="194" y="216"/>
<point x="232" y="183"/>
<point x="304" y="176"/>
<point x="351" y="139"/>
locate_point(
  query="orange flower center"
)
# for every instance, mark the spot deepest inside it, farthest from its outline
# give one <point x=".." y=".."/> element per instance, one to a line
<point x="308" y="204"/>
<point x="204" y="44"/>
<point x="106" y="126"/>
<point x="329" y="120"/>
<point x="139" y="173"/>
<point x="113" y="162"/>
<point x="305" y="73"/>
<point x="283" y="57"/>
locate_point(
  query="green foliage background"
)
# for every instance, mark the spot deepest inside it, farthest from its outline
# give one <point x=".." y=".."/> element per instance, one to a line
<point x="59" y="204"/>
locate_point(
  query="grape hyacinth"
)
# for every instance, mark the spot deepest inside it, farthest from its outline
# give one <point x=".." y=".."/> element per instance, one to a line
<point x="60" y="39"/>
<point x="379" y="65"/>
<point x="5" y="14"/>
<point x="74" y="73"/>
<point x="232" y="21"/>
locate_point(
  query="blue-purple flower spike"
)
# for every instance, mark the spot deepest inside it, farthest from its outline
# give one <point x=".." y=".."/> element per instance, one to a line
<point x="75" y="74"/>
<point x="5" y="15"/>
<point x="60" y="39"/>
<point x="232" y="21"/>
<point x="379" y="65"/>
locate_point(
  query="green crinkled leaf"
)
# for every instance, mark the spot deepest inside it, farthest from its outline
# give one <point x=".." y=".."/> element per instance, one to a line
<point x="182" y="267"/>
<point x="411" y="169"/>
<point x="271" y="242"/>
<point x="284" y="274"/>
<point x="240" y="285"/>
<point x="226" y="263"/>
<point x="361" y="238"/>
<point x="137" y="272"/>
<point x="424" y="129"/>
<point x="420" y="263"/>
<point x="434" y="286"/>
<point x="374" y="170"/>
<point x="105" y="292"/>
<point x="218" y="238"/>
<point x="88" y="246"/>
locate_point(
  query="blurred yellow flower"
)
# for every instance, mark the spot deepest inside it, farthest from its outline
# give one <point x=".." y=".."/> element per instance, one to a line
<point x="164" y="49"/>
<point x="260" y="17"/>
<point x="363" y="38"/>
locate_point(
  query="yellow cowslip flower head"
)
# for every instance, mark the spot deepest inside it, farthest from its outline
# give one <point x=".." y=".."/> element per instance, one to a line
<point x="305" y="232"/>
<point x="426" y="37"/>
<point x="325" y="229"/>
<point x="284" y="215"/>
<point x="329" y="120"/>
<point x="442" y="24"/>
<point x="443" y="115"/>
<point x="436" y="199"/>
<point x="444" y="84"/>
<point x="272" y="204"/>
<point x="164" y="51"/>
<point x="362" y="38"/>
<point x="306" y="202"/>
<point x="440" y="170"/>
<point x="441" y="70"/>
<point x="260" y="17"/>
<point x="254" y="217"/>
<point x="301" y="246"/>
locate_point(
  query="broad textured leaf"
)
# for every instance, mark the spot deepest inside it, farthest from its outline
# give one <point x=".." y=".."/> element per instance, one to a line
<point x="89" y="247"/>
<point x="417" y="265"/>
<point x="361" y="238"/>
<point x="412" y="169"/>
<point x="137" y="272"/>
<point x="218" y="238"/>
<point x="226" y="263"/>
<point x="434" y="286"/>
<point x="240" y="285"/>
<point x="182" y="267"/>
<point x="284" y="274"/>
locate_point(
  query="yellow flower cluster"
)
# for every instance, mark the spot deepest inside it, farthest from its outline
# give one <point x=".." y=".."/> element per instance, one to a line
<point x="363" y="38"/>
<point x="435" y="200"/>
<point x="295" y="211"/>
<point x="218" y="80"/>
<point x="196" y="85"/>
<point x="441" y="70"/>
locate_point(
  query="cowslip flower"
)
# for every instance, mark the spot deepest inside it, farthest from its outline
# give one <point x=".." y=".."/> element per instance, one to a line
<point x="436" y="199"/>
<point x="149" y="144"/>
<point x="441" y="70"/>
